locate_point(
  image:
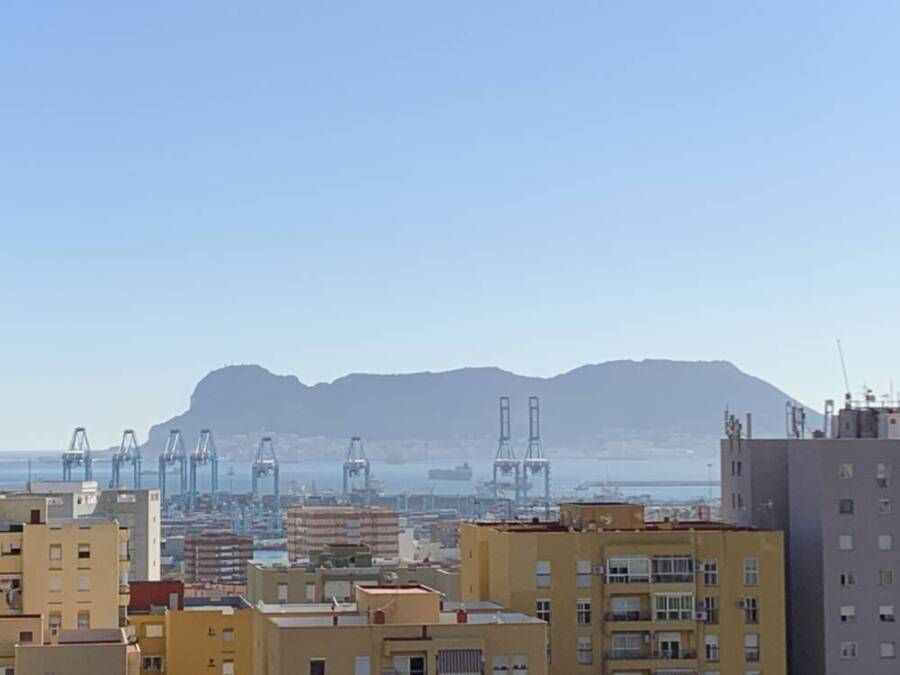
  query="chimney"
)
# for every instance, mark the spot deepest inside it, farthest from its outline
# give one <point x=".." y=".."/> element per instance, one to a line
<point x="462" y="616"/>
<point x="379" y="616"/>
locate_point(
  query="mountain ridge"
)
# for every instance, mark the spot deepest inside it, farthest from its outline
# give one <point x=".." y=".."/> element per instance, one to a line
<point x="589" y="402"/>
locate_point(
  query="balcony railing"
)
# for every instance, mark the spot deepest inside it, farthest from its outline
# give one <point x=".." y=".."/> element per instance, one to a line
<point x="647" y="655"/>
<point x="673" y="578"/>
<point x="628" y="616"/>
<point x="628" y="654"/>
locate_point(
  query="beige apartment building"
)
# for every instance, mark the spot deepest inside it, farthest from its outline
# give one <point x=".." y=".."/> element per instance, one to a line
<point x="217" y="557"/>
<point x="310" y="528"/>
<point x="96" y="651"/>
<point x="398" y="630"/>
<point x="625" y="597"/>
<point x="71" y="572"/>
<point x="335" y="572"/>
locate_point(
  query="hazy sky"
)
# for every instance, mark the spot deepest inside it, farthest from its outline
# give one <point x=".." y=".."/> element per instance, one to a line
<point x="325" y="188"/>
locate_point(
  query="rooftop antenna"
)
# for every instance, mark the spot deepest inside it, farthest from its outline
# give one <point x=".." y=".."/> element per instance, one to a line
<point x="847" y="395"/>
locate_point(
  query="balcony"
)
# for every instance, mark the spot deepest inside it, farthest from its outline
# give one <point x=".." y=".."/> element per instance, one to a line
<point x="628" y="616"/>
<point x="651" y="655"/>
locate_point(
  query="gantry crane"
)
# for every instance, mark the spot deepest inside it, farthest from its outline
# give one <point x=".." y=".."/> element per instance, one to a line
<point x="356" y="463"/>
<point x="505" y="462"/>
<point x="78" y="454"/>
<point x="534" y="462"/>
<point x="173" y="454"/>
<point x="266" y="464"/>
<point x="204" y="453"/>
<point x="129" y="452"/>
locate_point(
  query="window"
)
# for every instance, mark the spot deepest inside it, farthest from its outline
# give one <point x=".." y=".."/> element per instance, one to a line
<point x="751" y="647"/>
<point x="751" y="571"/>
<point x="885" y="577"/>
<point x="156" y="664"/>
<point x="845" y="506"/>
<point x="407" y="665"/>
<point x="882" y="475"/>
<point x="673" y="568"/>
<point x="153" y="630"/>
<point x="84" y="551"/>
<point x="227" y="667"/>
<point x="310" y="592"/>
<point x="585" y="651"/>
<point x="55" y="551"/>
<point x="26" y="637"/>
<point x="54" y="584"/>
<point x="584" y="611"/>
<point x="845" y="542"/>
<point x="54" y="620"/>
<point x="848" y="579"/>
<point x="362" y="665"/>
<point x="282" y="593"/>
<point x="884" y="507"/>
<point x="84" y="619"/>
<point x="627" y="645"/>
<point x="583" y="572"/>
<point x="738" y="468"/>
<point x="501" y="664"/>
<point x="845" y="471"/>
<point x="84" y="583"/>
<point x="674" y="606"/>
<point x="885" y="542"/>
<point x="848" y="614"/>
<point x="542" y="574"/>
<point x="711" y="607"/>
<point x="627" y="570"/>
<point x="711" y="572"/>
<point x="228" y="634"/>
<point x="712" y="647"/>
<point x="886" y="613"/>
<point x="520" y="664"/>
<point x="317" y="667"/>
<point x="888" y="650"/>
<point x="542" y="610"/>
<point x="848" y="650"/>
<point x="751" y="610"/>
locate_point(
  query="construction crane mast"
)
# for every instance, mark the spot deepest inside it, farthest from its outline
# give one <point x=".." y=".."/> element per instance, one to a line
<point x="129" y="452"/>
<point x="171" y="455"/>
<point x="78" y="454"/>
<point x="534" y="462"/>
<point x="356" y="463"/>
<point x="505" y="462"/>
<point x="204" y="453"/>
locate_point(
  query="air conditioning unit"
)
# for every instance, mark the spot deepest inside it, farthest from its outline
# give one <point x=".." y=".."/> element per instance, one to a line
<point x="598" y="569"/>
<point x="700" y="616"/>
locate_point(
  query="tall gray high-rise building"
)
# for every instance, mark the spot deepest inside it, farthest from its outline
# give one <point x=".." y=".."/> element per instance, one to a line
<point x="835" y="497"/>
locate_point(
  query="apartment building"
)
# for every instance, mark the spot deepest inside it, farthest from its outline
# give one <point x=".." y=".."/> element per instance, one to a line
<point x="139" y="511"/>
<point x="179" y="635"/>
<point x="836" y="498"/>
<point x="398" y="630"/>
<point x="217" y="557"/>
<point x="626" y="597"/>
<point x="80" y="652"/>
<point x="335" y="572"/>
<point x="71" y="572"/>
<point x="310" y="528"/>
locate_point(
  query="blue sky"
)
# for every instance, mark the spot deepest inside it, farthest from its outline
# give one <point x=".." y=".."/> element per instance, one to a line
<point x="388" y="187"/>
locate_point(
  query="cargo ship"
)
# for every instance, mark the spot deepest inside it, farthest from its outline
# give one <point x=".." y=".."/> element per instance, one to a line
<point x="461" y="472"/>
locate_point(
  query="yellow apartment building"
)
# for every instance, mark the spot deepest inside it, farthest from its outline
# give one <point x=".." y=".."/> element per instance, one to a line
<point x="192" y="635"/>
<point x="72" y="572"/>
<point x="625" y="597"/>
<point x="398" y="630"/>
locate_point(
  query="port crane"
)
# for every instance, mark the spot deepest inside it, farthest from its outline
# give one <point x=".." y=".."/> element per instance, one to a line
<point x="205" y="453"/>
<point x="534" y="461"/>
<point x="356" y="463"/>
<point x="173" y="454"/>
<point x="78" y="454"/>
<point x="505" y="462"/>
<point x="129" y="452"/>
<point x="264" y="465"/>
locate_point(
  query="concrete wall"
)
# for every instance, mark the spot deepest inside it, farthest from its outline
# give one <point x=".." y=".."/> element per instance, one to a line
<point x="139" y="511"/>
